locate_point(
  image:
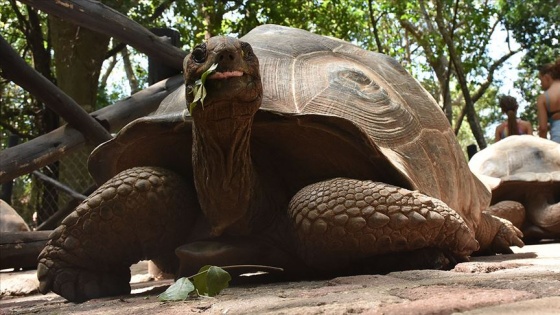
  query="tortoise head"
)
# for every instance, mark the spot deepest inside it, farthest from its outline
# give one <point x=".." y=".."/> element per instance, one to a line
<point x="222" y="78"/>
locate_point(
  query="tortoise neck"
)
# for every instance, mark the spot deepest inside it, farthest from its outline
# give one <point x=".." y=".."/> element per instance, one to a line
<point x="223" y="172"/>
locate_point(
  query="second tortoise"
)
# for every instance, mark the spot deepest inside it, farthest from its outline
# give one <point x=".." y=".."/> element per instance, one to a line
<point x="524" y="175"/>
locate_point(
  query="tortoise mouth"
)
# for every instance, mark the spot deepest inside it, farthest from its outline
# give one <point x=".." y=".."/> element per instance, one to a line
<point x="230" y="95"/>
<point x="225" y="75"/>
<point x="232" y="86"/>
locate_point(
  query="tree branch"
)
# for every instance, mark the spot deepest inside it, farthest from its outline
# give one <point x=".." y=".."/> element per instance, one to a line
<point x="102" y="19"/>
<point x="23" y="23"/>
<point x="17" y="70"/>
<point x="132" y="81"/>
<point x="60" y="186"/>
<point x="49" y="148"/>
<point x="374" y="26"/>
<point x="105" y="77"/>
<point x="483" y="87"/>
<point x="157" y="13"/>
<point x="471" y="115"/>
<point x="445" y="89"/>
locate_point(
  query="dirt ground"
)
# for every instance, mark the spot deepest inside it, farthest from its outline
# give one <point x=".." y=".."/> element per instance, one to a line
<point x="526" y="282"/>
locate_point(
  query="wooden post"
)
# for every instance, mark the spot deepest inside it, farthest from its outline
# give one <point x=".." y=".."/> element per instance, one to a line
<point x="6" y="193"/>
<point x="54" y="220"/>
<point x="158" y="71"/>
<point x="21" y="249"/>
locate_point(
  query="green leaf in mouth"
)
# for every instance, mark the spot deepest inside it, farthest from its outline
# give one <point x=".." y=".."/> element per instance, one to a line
<point x="199" y="91"/>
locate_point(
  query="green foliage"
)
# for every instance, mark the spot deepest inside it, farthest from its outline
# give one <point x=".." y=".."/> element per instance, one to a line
<point x="20" y="114"/>
<point x="178" y="291"/>
<point x="209" y="281"/>
<point x="25" y="197"/>
<point x="535" y="25"/>
<point x="109" y="95"/>
<point x="199" y="91"/>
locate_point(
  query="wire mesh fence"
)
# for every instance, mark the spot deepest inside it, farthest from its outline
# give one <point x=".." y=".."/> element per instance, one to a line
<point x="39" y="195"/>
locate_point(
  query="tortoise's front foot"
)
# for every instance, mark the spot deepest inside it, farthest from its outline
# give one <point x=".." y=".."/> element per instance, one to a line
<point x="496" y="235"/>
<point x="341" y="221"/>
<point x="141" y="213"/>
<point x="510" y="210"/>
<point x="79" y="284"/>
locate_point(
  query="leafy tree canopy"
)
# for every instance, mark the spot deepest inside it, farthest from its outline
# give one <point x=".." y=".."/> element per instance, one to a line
<point x="407" y="30"/>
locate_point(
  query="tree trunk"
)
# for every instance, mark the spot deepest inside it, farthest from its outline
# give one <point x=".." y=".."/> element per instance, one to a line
<point x="78" y="56"/>
<point x="472" y="117"/>
<point x="212" y="13"/>
<point x="439" y="64"/>
<point x="132" y="80"/>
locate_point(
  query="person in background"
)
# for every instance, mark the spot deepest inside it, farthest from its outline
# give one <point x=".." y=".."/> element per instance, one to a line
<point x="548" y="103"/>
<point x="513" y="125"/>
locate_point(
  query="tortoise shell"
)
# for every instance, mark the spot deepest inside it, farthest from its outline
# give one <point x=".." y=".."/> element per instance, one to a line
<point x="330" y="109"/>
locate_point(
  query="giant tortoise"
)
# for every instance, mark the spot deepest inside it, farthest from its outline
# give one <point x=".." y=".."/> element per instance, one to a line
<point x="329" y="160"/>
<point x="524" y="175"/>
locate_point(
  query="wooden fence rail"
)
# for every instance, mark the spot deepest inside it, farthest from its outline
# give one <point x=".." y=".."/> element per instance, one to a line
<point x="49" y="148"/>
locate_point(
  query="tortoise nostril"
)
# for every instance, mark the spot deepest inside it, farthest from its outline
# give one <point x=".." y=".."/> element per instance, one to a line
<point x="227" y="55"/>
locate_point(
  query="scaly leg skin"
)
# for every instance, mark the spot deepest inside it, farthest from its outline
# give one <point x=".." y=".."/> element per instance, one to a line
<point x="496" y="235"/>
<point x="341" y="221"/>
<point x="141" y="213"/>
<point x="512" y="211"/>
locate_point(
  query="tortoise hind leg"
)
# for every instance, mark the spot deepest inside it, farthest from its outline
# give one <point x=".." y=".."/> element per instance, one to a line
<point x="141" y="213"/>
<point x="341" y="221"/>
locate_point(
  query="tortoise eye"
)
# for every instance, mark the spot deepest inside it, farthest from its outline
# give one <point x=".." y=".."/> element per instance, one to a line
<point x="199" y="53"/>
<point x="247" y="50"/>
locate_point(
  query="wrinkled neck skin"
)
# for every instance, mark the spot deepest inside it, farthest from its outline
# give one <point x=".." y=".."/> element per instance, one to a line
<point x="543" y="210"/>
<point x="223" y="169"/>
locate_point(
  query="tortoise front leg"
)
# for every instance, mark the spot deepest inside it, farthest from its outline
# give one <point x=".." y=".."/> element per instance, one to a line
<point x="142" y="213"/>
<point x="510" y="210"/>
<point x="499" y="228"/>
<point x="341" y="221"/>
<point x="496" y="235"/>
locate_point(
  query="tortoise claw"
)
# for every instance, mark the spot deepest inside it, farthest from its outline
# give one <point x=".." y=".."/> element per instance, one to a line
<point x="509" y="235"/>
<point x="496" y="235"/>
